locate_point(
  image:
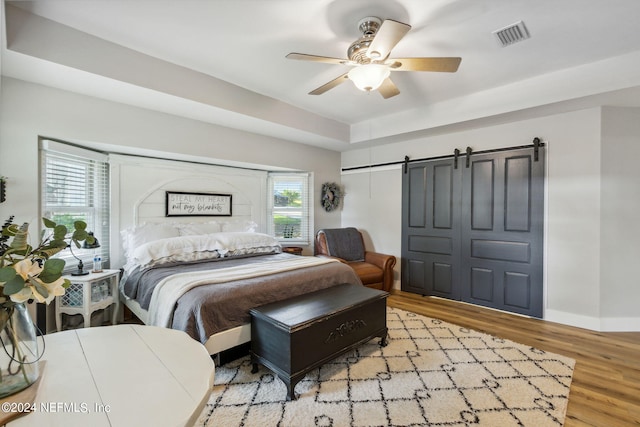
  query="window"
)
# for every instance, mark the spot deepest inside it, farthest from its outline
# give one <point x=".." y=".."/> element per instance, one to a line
<point x="75" y="186"/>
<point x="290" y="207"/>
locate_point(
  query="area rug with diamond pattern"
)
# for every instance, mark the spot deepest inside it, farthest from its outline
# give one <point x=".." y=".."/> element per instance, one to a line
<point x="431" y="373"/>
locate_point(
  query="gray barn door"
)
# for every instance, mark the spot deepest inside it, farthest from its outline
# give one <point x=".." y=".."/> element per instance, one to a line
<point x="491" y="252"/>
<point x="502" y="229"/>
<point x="431" y="230"/>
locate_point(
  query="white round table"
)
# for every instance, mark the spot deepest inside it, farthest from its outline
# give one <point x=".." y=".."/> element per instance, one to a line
<point x="125" y="375"/>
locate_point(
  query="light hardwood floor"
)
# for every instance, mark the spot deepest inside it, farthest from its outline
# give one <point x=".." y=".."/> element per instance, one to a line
<point x="605" y="390"/>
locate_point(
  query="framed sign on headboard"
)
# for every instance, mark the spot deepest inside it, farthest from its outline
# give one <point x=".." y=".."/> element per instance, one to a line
<point x="197" y="204"/>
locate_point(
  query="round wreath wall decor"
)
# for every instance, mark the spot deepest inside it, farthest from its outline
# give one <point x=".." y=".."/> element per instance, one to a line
<point x="331" y="195"/>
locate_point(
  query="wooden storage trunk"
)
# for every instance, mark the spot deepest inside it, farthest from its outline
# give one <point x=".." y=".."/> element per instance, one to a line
<point x="294" y="336"/>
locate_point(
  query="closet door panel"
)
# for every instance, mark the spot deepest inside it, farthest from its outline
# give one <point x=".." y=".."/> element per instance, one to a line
<point x="502" y="238"/>
<point x="501" y="250"/>
<point x="518" y="194"/>
<point x="431" y="244"/>
<point x="482" y="194"/>
<point x="442" y="277"/>
<point x="517" y="290"/>
<point x="443" y="196"/>
<point x="415" y="274"/>
<point x="431" y="236"/>
<point x="481" y="286"/>
<point x="417" y="197"/>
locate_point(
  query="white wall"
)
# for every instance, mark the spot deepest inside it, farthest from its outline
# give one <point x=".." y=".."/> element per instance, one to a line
<point x="574" y="262"/>
<point x="28" y="111"/>
<point x="620" y="229"/>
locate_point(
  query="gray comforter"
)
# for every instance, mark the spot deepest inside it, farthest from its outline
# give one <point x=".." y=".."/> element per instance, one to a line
<point x="209" y="309"/>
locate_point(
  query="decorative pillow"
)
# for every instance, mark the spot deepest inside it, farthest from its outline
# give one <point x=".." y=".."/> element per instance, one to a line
<point x="174" y="248"/>
<point x="252" y="251"/>
<point x="232" y="241"/>
<point x="241" y="226"/>
<point x="195" y="228"/>
<point x="136" y="236"/>
<point x="184" y="257"/>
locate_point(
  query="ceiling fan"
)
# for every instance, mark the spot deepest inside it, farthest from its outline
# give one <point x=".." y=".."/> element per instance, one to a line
<point x="370" y="57"/>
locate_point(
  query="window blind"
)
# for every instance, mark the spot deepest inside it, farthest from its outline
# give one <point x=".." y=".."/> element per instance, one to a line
<point x="75" y="186"/>
<point x="290" y="207"/>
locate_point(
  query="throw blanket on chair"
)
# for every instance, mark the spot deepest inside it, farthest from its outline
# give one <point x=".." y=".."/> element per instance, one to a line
<point x="345" y="243"/>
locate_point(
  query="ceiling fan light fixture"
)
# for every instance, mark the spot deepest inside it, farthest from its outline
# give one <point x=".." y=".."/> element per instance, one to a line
<point x="368" y="57"/>
<point x="369" y="77"/>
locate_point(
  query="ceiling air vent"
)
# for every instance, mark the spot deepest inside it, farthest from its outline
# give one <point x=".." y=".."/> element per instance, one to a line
<point x="511" y="34"/>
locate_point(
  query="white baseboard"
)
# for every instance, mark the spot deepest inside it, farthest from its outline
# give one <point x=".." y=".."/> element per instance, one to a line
<point x="621" y="324"/>
<point x="600" y="324"/>
<point x="572" y="319"/>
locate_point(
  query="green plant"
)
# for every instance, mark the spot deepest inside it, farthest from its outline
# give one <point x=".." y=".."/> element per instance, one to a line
<point x="29" y="273"/>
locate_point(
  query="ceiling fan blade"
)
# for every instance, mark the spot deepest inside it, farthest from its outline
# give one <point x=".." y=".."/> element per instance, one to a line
<point x="316" y="58"/>
<point x="446" y="65"/>
<point x="387" y="36"/>
<point x="333" y="83"/>
<point x="388" y="89"/>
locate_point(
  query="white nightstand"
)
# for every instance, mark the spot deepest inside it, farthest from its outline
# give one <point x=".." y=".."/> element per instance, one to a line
<point x="87" y="294"/>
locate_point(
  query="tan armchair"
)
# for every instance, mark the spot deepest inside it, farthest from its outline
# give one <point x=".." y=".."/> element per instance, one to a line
<point x="347" y="245"/>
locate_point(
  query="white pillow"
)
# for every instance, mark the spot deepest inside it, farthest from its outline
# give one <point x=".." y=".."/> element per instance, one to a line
<point x="238" y="225"/>
<point x="240" y="240"/>
<point x="192" y="229"/>
<point x="136" y="236"/>
<point x="179" y="248"/>
<point x="174" y="247"/>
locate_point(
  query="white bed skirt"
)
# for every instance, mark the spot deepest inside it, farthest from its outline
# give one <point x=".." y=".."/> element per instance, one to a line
<point x="216" y="343"/>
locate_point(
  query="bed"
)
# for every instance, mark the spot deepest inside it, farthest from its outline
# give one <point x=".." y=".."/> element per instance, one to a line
<point x="204" y="278"/>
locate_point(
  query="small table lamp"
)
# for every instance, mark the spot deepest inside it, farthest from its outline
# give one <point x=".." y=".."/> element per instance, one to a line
<point x="86" y="245"/>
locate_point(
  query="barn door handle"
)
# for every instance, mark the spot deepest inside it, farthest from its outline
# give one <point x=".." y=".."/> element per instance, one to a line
<point x="469" y="151"/>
